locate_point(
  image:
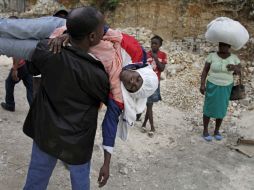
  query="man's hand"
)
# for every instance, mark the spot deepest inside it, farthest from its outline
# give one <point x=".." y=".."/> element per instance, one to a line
<point x="103" y="175"/>
<point x="104" y="172"/>
<point x="14" y="75"/>
<point x="56" y="44"/>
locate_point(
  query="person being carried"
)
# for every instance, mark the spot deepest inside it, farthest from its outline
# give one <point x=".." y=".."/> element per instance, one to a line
<point x="117" y="52"/>
<point x="158" y="60"/>
<point x="17" y="73"/>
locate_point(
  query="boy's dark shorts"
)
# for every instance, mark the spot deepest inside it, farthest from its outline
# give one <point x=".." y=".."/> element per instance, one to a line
<point x="155" y="97"/>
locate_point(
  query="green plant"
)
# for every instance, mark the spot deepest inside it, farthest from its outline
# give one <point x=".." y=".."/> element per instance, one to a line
<point x="105" y="5"/>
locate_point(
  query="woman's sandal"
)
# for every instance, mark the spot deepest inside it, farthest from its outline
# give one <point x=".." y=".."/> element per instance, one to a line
<point x="218" y="137"/>
<point x="208" y="138"/>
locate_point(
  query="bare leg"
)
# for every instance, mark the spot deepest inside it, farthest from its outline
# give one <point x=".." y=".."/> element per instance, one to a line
<point x="150" y="115"/>
<point x="138" y="116"/>
<point x="206" y="121"/>
<point x="146" y="119"/>
<point x="217" y="127"/>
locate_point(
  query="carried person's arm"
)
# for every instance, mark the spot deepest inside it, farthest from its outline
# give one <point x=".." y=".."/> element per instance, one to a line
<point x="104" y="171"/>
<point x="109" y="125"/>
<point x="109" y="129"/>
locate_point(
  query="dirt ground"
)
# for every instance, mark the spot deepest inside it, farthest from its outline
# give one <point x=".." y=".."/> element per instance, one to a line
<point x="177" y="158"/>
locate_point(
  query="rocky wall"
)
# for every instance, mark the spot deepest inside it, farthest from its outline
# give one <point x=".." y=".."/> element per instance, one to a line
<point x="178" y="18"/>
<point x="185" y="20"/>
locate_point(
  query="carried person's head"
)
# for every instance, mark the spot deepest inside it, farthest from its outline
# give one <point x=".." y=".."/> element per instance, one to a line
<point x="141" y="82"/>
<point x="131" y="79"/>
<point x="156" y="43"/>
<point x="85" y="26"/>
<point x="13" y="17"/>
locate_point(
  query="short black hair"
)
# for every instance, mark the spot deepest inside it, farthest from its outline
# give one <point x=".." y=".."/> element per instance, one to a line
<point x="61" y="13"/>
<point x="82" y="21"/>
<point x="13" y="17"/>
<point x="158" y="38"/>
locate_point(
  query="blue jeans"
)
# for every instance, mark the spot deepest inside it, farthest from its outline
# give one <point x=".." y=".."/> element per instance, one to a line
<point x="42" y="166"/>
<point x="27" y="79"/>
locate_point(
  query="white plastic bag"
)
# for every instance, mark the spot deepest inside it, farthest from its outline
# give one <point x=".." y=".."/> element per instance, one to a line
<point x="228" y="31"/>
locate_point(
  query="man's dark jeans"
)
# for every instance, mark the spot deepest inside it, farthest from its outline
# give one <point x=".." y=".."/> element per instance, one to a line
<point x="27" y="79"/>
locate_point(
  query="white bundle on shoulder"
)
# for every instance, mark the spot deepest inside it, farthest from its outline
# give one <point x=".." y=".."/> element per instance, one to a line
<point x="226" y="30"/>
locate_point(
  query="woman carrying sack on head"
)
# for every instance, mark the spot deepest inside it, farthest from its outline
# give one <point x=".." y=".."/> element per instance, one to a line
<point x="218" y="71"/>
<point x="217" y="76"/>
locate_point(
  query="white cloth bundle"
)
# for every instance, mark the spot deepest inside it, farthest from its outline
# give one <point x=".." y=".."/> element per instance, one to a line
<point x="228" y="31"/>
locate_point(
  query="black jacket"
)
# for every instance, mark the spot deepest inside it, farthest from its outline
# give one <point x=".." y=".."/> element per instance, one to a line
<point x="63" y="117"/>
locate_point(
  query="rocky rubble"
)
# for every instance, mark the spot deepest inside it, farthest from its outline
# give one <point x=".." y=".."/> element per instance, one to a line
<point x="188" y="44"/>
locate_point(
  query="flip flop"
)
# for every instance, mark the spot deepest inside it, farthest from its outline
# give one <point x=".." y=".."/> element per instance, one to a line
<point x="143" y="129"/>
<point x="208" y="138"/>
<point x="218" y="137"/>
<point x="151" y="134"/>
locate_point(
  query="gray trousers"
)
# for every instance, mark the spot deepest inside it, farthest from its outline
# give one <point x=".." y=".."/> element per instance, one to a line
<point x="19" y="37"/>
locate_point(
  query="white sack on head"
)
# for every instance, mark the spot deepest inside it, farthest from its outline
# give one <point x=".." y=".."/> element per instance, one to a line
<point x="228" y="31"/>
<point x="135" y="103"/>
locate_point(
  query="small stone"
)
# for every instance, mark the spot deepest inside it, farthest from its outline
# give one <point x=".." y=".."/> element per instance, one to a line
<point x="123" y="169"/>
<point x="151" y="156"/>
<point x="251" y="107"/>
<point x="20" y="171"/>
<point x="192" y="141"/>
<point x="236" y="113"/>
<point x="245" y="101"/>
<point x="97" y="147"/>
<point x="140" y="157"/>
<point x="234" y="104"/>
<point x="171" y="140"/>
<point x="251" y="70"/>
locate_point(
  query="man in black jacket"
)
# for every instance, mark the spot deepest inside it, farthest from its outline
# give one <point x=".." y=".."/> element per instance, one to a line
<point x="62" y="120"/>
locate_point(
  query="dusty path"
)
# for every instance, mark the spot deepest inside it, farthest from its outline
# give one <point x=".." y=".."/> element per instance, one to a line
<point x="175" y="159"/>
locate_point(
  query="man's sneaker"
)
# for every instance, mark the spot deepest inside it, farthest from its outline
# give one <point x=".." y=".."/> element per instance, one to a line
<point x="6" y="107"/>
